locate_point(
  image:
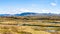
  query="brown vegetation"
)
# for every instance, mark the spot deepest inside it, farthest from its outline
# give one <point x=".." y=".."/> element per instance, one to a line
<point x="29" y="25"/>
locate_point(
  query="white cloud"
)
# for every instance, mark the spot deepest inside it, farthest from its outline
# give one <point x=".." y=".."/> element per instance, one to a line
<point x="20" y="10"/>
<point x="57" y="11"/>
<point x="53" y="4"/>
<point x="24" y="10"/>
<point x="15" y="11"/>
<point x="46" y="11"/>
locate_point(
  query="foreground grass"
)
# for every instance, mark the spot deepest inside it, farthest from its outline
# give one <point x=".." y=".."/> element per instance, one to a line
<point x="29" y="25"/>
<point x="11" y="29"/>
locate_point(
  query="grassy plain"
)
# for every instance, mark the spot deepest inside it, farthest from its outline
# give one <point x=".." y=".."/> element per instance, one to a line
<point x="30" y="25"/>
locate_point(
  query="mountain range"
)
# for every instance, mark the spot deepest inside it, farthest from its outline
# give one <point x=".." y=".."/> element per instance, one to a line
<point x="31" y="14"/>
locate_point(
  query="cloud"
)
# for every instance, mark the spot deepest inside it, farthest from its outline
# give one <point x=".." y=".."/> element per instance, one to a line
<point x="46" y="11"/>
<point x="57" y="11"/>
<point x="25" y="10"/>
<point x="15" y="11"/>
<point x="53" y="4"/>
<point x="21" y="10"/>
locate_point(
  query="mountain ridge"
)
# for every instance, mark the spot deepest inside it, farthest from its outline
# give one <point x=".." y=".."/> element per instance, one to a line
<point x="31" y="14"/>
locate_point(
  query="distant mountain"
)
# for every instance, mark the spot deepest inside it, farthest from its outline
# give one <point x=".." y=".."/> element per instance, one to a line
<point x="26" y="14"/>
<point x="31" y="14"/>
<point x="5" y="15"/>
<point x="36" y="14"/>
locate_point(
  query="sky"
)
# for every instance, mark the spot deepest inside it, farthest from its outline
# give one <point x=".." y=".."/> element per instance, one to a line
<point x="37" y="6"/>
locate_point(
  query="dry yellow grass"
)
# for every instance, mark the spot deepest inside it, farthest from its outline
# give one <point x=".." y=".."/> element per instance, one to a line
<point x="16" y="25"/>
<point x="7" y="29"/>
